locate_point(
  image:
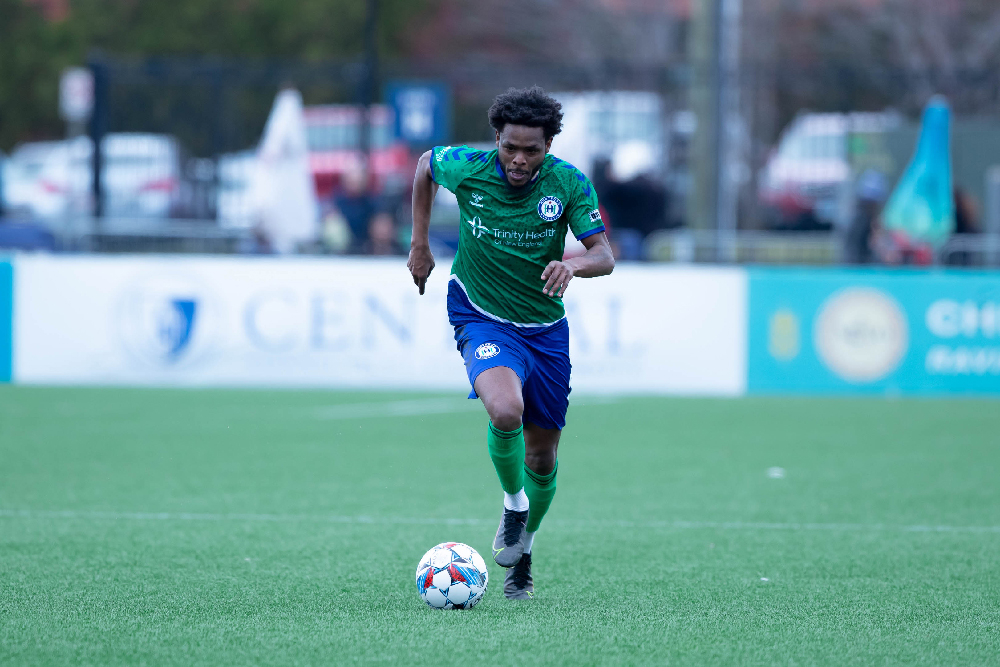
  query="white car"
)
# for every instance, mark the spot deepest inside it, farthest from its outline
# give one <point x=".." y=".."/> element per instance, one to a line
<point x="234" y="203"/>
<point x="52" y="180"/>
<point x="812" y="162"/>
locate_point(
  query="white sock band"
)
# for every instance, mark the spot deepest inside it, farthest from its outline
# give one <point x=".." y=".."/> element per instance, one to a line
<point x="517" y="502"/>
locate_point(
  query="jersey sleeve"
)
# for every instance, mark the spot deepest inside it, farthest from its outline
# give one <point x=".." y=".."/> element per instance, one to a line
<point x="450" y="165"/>
<point x="584" y="214"/>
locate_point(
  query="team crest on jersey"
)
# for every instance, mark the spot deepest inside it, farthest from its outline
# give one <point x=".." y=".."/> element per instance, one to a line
<point x="487" y="351"/>
<point x="550" y="208"/>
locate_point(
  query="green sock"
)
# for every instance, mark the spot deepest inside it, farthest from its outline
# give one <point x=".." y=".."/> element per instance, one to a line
<point x="540" y="490"/>
<point x="507" y="451"/>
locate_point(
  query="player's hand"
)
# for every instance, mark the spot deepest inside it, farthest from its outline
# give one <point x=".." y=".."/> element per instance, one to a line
<point x="420" y="264"/>
<point x="556" y="276"/>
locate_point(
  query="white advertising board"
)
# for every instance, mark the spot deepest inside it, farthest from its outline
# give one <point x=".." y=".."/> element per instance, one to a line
<point x="351" y="323"/>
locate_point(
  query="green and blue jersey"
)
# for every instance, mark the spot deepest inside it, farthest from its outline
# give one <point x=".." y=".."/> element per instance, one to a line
<point x="509" y="235"/>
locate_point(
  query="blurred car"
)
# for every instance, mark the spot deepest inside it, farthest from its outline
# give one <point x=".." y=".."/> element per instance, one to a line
<point x="235" y="206"/>
<point x="810" y="172"/>
<point x="333" y="132"/>
<point x="596" y="123"/>
<point x="52" y="180"/>
<point x="27" y="185"/>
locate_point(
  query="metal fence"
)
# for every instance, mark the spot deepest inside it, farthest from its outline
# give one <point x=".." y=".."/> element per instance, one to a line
<point x="176" y="141"/>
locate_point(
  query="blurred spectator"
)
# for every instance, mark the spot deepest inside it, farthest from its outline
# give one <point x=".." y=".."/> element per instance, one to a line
<point x="897" y="249"/>
<point x="966" y="222"/>
<point x="871" y="193"/>
<point x="635" y="201"/>
<point x="791" y="212"/>
<point x="383" y="238"/>
<point x="966" y="213"/>
<point x="260" y="242"/>
<point x="336" y="233"/>
<point x="356" y="205"/>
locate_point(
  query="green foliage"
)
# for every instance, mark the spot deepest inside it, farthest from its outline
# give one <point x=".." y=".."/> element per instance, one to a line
<point x="32" y="54"/>
<point x="34" y="51"/>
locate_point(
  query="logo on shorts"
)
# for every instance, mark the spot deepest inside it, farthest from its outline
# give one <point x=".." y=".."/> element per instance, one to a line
<point x="550" y="208"/>
<point x="487" y="351"/>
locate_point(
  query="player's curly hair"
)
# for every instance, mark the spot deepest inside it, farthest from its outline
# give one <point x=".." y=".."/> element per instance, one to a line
<point x="527" y="106"/>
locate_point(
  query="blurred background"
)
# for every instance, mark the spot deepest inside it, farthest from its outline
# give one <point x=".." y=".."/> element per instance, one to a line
<point x="714" y="130"/>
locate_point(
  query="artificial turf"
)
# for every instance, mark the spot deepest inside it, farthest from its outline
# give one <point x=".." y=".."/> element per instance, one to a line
<point x="248" y="527"/>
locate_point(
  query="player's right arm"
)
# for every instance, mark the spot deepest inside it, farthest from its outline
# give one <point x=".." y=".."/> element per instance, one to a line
<point x="421" y="261"/>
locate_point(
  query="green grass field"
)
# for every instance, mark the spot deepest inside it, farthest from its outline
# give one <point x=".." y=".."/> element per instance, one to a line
<point x="247" y="527"/>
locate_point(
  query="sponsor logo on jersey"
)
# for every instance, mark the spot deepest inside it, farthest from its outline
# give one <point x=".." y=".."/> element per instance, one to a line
<point x="487" y="351"/>
<point x="595" y="215"/>
<point x="478" y="228"/>
<point x="444" y="151"/>
<point x="550" y="208"/>
<point x="476" y="200"/>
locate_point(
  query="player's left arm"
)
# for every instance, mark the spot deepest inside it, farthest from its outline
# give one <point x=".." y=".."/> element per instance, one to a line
<point x="597" y="261"/>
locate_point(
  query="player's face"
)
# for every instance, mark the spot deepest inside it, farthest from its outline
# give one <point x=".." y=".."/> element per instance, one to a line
<point x="521" y="151"/>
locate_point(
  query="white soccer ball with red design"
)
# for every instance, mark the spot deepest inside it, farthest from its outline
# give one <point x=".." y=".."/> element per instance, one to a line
<point x="452" y="575"/>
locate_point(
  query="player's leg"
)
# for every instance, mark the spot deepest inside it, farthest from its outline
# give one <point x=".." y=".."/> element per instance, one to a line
<point x="546" y="399"/>
<point x="499" y="388"/>
<point x="497" y="362"/>
<point x="540" y="466"/>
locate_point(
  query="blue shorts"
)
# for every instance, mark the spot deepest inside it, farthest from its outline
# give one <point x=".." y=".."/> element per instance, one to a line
<point x="539" y="356"/>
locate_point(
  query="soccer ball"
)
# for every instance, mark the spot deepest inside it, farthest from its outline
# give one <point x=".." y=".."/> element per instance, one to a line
<point x="452" y="575"/>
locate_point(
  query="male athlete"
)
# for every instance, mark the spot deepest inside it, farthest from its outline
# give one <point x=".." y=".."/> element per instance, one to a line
<point x="505" y="298"/>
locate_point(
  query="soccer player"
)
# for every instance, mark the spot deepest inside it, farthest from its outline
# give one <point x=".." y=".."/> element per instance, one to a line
<point x="505" y="298"/>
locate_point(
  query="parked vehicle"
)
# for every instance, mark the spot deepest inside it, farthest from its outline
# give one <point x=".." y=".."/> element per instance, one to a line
<point x="235" y="206"/>
<point x="53" y="180"/>
<point x="596" y="123"/>
<point x="334" y="135"/>
<point x="811" y="171"/>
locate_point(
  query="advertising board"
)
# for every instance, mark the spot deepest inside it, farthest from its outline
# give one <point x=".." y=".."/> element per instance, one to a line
<point x="855" y="331"/>
<point x="351" y="323"/>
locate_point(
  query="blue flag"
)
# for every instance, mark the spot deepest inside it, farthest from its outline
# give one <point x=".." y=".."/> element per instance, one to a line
<point x="922" y="207"/>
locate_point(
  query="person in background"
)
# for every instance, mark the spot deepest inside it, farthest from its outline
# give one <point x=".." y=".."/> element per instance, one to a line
<point x="635" y="200"/>
<point x="871" y="192"/>
<point x="355" y="205"/>
<point x="966" y="222"/>
<point x="383" y="238"/>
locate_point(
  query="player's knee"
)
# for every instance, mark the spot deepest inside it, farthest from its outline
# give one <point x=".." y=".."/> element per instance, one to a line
<point x="506" y="415"/>
<point x="542" y="462"/>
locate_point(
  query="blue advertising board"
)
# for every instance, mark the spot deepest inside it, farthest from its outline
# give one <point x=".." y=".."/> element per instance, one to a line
<point x="422" y="111"/>
<point x="6" y="318"/>
<point x="888" y="332"/>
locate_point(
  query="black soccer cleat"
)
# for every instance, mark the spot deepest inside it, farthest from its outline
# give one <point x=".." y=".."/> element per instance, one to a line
<point x="518" y="584"/>
<point x="508" y="545"/>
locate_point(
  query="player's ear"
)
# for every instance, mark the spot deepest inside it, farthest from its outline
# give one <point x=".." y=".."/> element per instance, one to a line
<point x="498" y="137"/>
<point x="548" y="144"/>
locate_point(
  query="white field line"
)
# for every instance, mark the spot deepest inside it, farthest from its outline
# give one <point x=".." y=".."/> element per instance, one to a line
<point x="419" y="407"/>
<point x="563" y="523"/>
